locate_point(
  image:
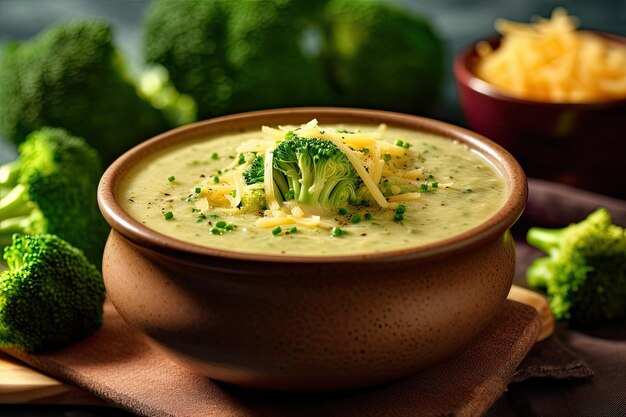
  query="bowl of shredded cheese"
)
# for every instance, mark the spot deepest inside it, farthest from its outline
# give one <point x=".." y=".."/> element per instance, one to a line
<point x="553" y="95"/>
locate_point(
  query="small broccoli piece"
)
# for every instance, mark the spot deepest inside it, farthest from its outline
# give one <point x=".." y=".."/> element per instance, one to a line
<point x="253" y="201"/>
<point x="585" y="272"/>
<point x="71" y="76"/>
<point x="232" y="56"/>
<point x="315" y="172"/>
<point x="254" y="173"/>
<point x="54" y="182"/>
<point x="50" y="297"/>
<point x="381" y="56"/>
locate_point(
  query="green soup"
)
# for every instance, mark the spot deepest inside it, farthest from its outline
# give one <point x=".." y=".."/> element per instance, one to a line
<point x="459" y="190"/>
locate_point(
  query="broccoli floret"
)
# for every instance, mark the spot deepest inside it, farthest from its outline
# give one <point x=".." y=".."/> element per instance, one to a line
<point x="233" y="56"/>
<point x="50" y="296"/>
<point x="380" y="56"/>
<point x="314" y="172"/>
<point x="253" y="201"/>
<point x="254" y="173"/>
<point x="71" y="76"/>
<point x="54" y="180"/>
<point x="241" y="55"/>
<point x="585" y="272"/>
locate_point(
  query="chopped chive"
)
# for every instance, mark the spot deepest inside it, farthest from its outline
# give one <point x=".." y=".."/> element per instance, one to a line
<point x="424" y="187"/>
<point x="221" y="224"/>
<point x="387" y="157"/>
<point x="336" y="231"/>
<point x="168" y="216"/>
<point x="400" y="209"/>
<point x="217" y="231"/>
<point x="399" y="142"/>
<point x="434" y="185"/>
<point x="242" y="159"/>
<point x="398" y="217"/>
<point x="277" y="231"/>
<point x="198" y="190"/>
<point x="406" y="145"/>
<point x="216" y="179"/>
<point x="233" y="193"/>
<point x="366" y="151"/>
<point x="229" y="227"/>
<point x="172" y="178"/>
<point x="343" y="211"/>
<point x="293" y="230"/>
<point x="219" y="171"/>
<point x="368" y="216"/>
<point x="356" y="218"/>
<point x="214" y="155"/>
<point x="468" y="190"/>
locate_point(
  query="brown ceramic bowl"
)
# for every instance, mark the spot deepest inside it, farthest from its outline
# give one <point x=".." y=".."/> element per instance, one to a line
<point x="309" y="323"/>
<point x="580" y="144"/>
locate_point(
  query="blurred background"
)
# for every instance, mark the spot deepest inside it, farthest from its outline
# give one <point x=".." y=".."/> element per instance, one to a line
<point x="457" y="22"/>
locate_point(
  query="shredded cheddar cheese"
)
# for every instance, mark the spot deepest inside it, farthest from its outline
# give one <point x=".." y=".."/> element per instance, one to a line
<point x="550" y="60"/>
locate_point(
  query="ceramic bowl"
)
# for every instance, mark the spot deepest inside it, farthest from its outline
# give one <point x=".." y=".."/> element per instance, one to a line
<point x="309" y="323"/>
<point x="580" y="144"/>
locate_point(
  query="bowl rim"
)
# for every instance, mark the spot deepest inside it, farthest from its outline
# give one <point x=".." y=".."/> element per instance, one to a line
<point x="464" y="75"/>
<point x="487" y="231"/>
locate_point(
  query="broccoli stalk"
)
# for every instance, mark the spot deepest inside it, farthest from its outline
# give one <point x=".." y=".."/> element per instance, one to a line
<point x="584" y="273"/>
<point x="314" y="172"/>
<point x="50" y="296"/>
<point x="54" y="183"/>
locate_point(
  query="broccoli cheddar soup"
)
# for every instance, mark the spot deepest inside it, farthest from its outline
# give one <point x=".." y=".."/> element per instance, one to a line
<point x="314" y="190"/>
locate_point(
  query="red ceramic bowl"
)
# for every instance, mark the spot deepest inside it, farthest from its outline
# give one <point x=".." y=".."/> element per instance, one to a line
<point x="580" y="144"/>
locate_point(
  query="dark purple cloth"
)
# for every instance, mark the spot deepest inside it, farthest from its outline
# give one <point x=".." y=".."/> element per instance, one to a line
<point x="573" y="373"/>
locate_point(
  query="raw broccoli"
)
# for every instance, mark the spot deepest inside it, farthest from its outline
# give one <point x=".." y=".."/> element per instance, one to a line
<point x="233" y="56"/>
<point x="50" y="296"/>
<point x="71" y="76"/>
<point x="54" y="191"/>
<point x="255" y="172"/>
<point x="585" y="272"/>
<point x="242" y="55"/>
<point x="380" y="56"/>
<point x="314" y="172"/>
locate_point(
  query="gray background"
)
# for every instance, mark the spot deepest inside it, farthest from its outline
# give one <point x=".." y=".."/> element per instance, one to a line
<point x="458" y="22"/>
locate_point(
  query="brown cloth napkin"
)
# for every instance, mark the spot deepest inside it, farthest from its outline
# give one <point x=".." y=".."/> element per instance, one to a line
<point x="555" y="373"/>
<point x="117" y="365"/>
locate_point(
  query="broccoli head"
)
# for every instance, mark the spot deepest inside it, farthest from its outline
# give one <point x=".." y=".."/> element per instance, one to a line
<point x="380" y="56"/>
<point x="314" y="172"/>
<point x="54" y="183"/>
<point x="50" y="296"/>
<point x="71" y="76"/>
<point x="233" y="56"/>
<point x="242" y="55"/>
<point x="584" y="273"/>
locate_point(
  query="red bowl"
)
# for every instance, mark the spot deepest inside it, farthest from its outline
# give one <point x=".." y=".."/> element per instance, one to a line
<point x="580" y="144"/>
